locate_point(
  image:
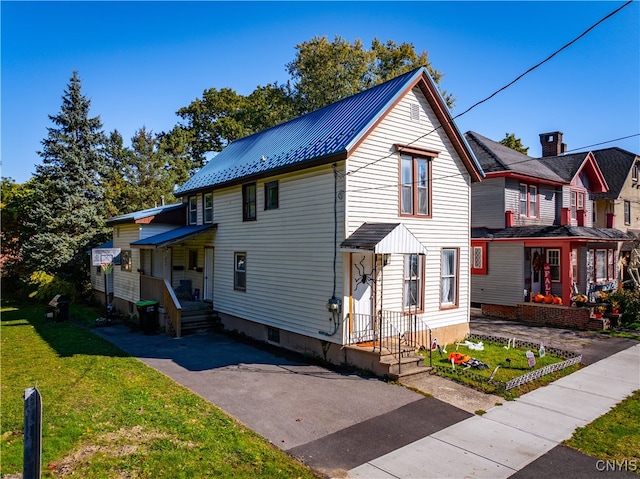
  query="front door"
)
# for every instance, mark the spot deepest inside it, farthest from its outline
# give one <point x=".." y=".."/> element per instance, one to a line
<point x="537" y="270"/>
<point x="362" y="281"/>
<point x="208" y="274"/>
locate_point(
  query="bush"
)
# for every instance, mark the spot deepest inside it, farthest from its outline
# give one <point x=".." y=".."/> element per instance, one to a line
<point x="45" y="286"/>
<point x="629" y="306"/>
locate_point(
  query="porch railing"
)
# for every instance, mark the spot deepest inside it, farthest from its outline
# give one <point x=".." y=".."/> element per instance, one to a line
<point x="159" y="289"/>
<point x="390" y="332"/>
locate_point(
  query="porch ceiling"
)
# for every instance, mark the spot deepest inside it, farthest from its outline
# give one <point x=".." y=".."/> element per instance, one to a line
<point x="383" y="238"/>
<point x="170" y="237"/>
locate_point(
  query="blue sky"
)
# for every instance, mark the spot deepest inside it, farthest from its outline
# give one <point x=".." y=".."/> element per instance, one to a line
<point x="140" y="62"/>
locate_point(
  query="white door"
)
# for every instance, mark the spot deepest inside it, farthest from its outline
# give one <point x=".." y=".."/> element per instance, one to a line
<point x="362" y="279"/>
<point x="208" y="275"/>
<point x="537" y="270"/>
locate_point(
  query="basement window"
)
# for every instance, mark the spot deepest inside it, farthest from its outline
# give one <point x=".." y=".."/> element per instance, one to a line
<point x="273" y="334"/>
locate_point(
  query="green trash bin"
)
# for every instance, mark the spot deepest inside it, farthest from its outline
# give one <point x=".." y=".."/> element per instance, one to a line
<point x="148" y="312"/>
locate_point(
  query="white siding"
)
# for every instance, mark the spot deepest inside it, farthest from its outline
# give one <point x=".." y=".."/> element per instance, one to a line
<point x="373" y="195"/>
<point x="289" y="275"/>
<point x="126" y="284"/>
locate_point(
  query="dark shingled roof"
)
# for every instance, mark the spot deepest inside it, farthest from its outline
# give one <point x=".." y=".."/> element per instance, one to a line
<point x="566" y="166"/>
<point x="615" y="164"/>
<point x="555" y="231"/>
<point x="368" y="235"/>
<point x="495" y="157"/>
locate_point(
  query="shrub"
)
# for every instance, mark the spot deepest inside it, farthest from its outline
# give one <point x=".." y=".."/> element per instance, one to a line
<point x="629" y="305"/>
<point x="45" y="286"/>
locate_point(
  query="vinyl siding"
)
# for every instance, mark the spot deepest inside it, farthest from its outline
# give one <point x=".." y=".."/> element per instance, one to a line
<point x="548" y="211"/>
<point x="289" y="275"/>
<point x="373" y="195"/>
<point x="488" y="203"/>
<point x="180" y="257"/>
<point x="126" y="284"/>
<point x="496" y="287"/>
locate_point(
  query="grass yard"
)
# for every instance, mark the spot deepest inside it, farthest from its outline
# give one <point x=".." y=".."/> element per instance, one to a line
<point x="614" y="436"/>
<point x="512" y="363"/>
<point x="107" y="415"/>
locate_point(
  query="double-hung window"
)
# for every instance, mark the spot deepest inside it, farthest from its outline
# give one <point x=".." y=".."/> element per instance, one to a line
<point x="208" y="207"/>
<point x="627" y="212"/>
<point x="553" y="258"/>
<point x="240" y="272"/>
<point x="449" y="278"/>
<point x="415" y="194"/>
<point x="249" y="202"/>
<point x="193" y="210"/>
<point x="413" y="282"/>
<point x="577" y="203"/>
<point x="528" y="200"/>
<point x="271" y="195"/>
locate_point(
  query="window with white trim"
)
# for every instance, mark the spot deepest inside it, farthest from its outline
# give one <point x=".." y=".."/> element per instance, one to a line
<point x="449" y="277"/>
<point x="601" y="265"/>
<point x="577" y="203"/>
<point x="208" y="207"/>
<point x="634" y="172"/>
<point x="553" y="258"/>
<point x="413" y="282"/>
<point x="193" y="210"/>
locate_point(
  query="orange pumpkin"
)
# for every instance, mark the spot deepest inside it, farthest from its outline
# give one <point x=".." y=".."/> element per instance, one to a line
<point x="557" y="300"/>
<point x="548" y="299"/>
<point x="538" y="298"/>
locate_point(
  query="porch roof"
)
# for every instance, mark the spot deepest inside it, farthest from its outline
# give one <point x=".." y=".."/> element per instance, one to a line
<point x="555" y="231"/>
<point x="173" y="236"/>
<point x="384" y="238"/>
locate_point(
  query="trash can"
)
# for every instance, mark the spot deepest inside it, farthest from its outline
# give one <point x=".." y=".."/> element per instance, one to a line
<point x="148" y="311"/>
<point x="58" y="308"/>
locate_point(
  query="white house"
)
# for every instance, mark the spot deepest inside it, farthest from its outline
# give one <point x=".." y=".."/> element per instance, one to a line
<point x="345" y="226"/>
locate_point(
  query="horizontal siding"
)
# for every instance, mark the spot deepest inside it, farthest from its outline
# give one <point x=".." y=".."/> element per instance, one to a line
<point x="547" y="204"/>
<point x="496" y="287"/>
<point x="289" y="253"/>
<point x="488" y="204"/>
<point x="373" y="195"/>
<point x="126" y="284"/>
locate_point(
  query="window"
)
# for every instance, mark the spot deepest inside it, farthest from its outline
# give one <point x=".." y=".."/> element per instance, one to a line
<point x="271" y="195"/>
<point x="208" y="207"/>
<point x="125" y="262"/>
<point x="577" y="203"/>
<point x="479" y="259"/>
<point x="627" y="212"/>
<point x="574" y="265"/>
<point x="528" y="200"/>
<point x="193" y="210"/>
<point x="553" y="258"/>
<point x="449" y="278"/>
<point x="415" y="196"/>
<point x="413" y="284"/>
<point x="193" y="259"/>
<point x="240" y="272"/>
<point x="601" y="264"/>
<point x="249" y="202"/>
<point x="634" y="172"/>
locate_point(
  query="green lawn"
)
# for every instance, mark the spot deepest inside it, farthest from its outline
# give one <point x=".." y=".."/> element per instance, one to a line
<point x="512" y="363"/>
<point x="106" y="414"/>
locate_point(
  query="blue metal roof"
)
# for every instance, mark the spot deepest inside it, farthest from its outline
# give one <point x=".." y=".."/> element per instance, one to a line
<point x="326" y="132"/>
<point x="138" y="215"/>
<point x="173" y="236"/>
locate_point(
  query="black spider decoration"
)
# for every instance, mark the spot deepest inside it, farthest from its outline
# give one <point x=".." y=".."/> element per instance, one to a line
<point x="363" y="278"/>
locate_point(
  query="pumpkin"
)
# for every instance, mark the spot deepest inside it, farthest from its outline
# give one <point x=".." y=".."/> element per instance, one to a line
<point x="538" y="298"/>
<point x="548" y="299"/>
<point x="557" y="300"/>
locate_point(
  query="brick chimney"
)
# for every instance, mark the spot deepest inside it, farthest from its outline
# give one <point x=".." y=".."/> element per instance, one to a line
<point x="552" y="144"/>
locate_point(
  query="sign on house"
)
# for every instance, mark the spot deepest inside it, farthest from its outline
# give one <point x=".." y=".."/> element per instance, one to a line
<point x="547" y="278"/>
<point x="100" y="256"/>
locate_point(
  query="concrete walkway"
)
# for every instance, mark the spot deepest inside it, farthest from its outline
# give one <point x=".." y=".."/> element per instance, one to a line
<point x="509" y="437"/>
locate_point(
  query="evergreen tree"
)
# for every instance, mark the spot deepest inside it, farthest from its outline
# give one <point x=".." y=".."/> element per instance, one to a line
<point x="514" y="143"/>
<point x="67" y="216"/>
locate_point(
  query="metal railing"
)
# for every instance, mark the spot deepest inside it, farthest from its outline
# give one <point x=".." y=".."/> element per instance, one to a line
<point x="159" y="289"/>
<point x="390" y="332"/>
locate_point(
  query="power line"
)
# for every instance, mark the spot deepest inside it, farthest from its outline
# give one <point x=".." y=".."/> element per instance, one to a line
<point x="502" y="88"/>
<point x="603" y="142"/>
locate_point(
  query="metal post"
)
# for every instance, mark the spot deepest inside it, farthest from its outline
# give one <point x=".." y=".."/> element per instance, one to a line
<point x="32" y="434"/>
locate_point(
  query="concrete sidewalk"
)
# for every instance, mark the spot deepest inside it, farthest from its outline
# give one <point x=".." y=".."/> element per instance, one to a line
<point x="509" y="437"/>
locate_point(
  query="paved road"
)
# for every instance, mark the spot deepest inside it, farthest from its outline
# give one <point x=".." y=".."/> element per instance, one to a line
<point x="334" y="422"/>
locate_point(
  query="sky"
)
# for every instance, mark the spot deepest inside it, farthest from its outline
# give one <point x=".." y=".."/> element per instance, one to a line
<point x="140" y="62"/>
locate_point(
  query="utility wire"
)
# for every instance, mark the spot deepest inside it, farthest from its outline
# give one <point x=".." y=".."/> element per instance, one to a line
<point x="567" y="45"/>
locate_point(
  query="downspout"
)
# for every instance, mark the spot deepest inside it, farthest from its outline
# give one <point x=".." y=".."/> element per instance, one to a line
<point x="334" y="303"/>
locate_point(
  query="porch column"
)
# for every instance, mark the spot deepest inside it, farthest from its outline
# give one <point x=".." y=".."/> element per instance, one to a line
<point x="565" y="273"/>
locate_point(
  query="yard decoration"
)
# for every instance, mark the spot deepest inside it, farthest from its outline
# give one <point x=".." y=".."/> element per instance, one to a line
<point x="548" y="299"/>
<point x="538" y="298"/>
<point x="557" y="300"/>
<point x="531" y="359"/>
<point x="541" y="351"/>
